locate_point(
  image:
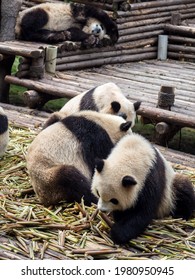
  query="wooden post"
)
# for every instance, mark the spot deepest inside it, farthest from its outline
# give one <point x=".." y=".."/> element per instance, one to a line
<point x="166" y="97"/>
<point x="165" y="132"/>
<point x="162" y="47"/>
<point x="51" y="55"/>
<point x="9" y="12"/>
<point x="36" y="100"/>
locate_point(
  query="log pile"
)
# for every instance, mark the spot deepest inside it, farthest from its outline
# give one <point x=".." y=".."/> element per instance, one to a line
<point x="139" y="25"/>
<point x="108" y="5"/>
<point x="181" y="44"/>
<point x="139" y="28"/>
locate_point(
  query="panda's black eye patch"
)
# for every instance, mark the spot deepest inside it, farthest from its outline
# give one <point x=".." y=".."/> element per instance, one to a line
<point x="128" y="181"/>
<point x="114" y="201"/>
<point x="102" y="26"/>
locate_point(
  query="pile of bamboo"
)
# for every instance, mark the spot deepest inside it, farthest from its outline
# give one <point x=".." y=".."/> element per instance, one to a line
<point x="181" y="42"/>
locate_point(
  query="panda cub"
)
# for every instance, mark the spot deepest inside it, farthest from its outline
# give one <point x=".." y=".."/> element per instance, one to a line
<point x="4" y="132"/>
<point x="61" y="159"/>
<point x="137" y="184"/>
<point x="106" y="98"/>
<point x="58" y="22"/>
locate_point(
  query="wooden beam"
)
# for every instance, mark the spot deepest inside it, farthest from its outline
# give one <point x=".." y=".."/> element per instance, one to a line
<point x="160" y="115"/>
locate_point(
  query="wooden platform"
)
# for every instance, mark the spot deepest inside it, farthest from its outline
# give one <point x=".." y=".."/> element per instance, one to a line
<point x="142" y="81"/>
<point x="138" y="81"/>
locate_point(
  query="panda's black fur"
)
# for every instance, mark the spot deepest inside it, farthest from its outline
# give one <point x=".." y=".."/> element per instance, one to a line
<point x="39" y="23"/>
<point x="4" y="131"/>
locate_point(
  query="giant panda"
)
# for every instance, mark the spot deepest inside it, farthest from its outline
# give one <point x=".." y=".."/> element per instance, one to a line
<point x="61" y="159"/>
<point x="4" y="131"/>
<point x="137" y="184"/>
<point x="57" y="22"/>
<point x="106" y="98"/>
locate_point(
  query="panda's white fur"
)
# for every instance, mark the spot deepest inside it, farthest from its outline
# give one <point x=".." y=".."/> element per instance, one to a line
<point x="4" y="131"/>
<point x="57" y="22"/>
<point x="137" y="184"/>
<point x="106" y="98"/>
<point x="61" y="159"/>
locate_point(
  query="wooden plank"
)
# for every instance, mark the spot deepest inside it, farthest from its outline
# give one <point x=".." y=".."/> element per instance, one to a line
<point x="10" y="48"/>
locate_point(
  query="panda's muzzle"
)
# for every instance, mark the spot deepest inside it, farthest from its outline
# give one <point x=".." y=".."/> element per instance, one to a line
<point x="123" y="115"/>
<point x="96" y="30"/>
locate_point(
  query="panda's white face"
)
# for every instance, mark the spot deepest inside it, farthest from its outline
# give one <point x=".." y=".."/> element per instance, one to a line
<point x="97" y="30"/>
<point x="94" y="27"/>
<point x="118" y="193"/>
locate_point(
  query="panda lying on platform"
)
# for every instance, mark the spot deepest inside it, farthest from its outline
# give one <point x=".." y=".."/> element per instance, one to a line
<point x="4" y="132"/>
<point x="137" y="184"/>
<point x="61" y="159"/>
<point x="106" y="98"/>
<point x="58" y="22"/>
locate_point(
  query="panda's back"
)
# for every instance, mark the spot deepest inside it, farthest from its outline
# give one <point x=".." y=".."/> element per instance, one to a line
<point x="59" y="16"/>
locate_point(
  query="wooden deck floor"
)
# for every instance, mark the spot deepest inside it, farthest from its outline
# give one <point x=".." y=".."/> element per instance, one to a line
<point x="142" y="80"/>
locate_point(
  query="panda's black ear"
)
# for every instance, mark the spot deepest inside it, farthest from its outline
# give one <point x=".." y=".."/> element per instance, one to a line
<point x="125" y="126"/>
<point x="128" y="181"/>
<point x="99" y="164"/>
<point x="115" y="106"/>
<point x="137" y="105"/>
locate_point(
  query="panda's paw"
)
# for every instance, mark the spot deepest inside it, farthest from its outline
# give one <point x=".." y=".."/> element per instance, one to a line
<point x="66" y="35"/>
<point x="106" y="41"/>
<point x="118" y="235"/>
<point x="70" y="46"/>
<point x="91" y="41"/>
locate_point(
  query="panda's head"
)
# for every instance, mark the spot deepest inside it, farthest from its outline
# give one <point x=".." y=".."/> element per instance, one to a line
<point x="115" y="189"/>
<point x="95" y="27"/>
<point x="119" y="179"/>
<point x="125" y="109"/>
<point x="111" y="100"/>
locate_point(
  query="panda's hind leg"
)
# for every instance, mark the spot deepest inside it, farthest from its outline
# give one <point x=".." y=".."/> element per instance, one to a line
<point x="184" y="197"/>
<point x="64" y="183"/>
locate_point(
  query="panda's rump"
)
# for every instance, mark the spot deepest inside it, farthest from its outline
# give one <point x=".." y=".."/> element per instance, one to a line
<point x="62" y="182"/>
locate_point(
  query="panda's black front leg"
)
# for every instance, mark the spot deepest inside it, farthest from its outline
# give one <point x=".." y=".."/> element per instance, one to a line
<point x="47" y="36"/>
<point x="87" y="40"/>
<point x="129" y="224"/>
